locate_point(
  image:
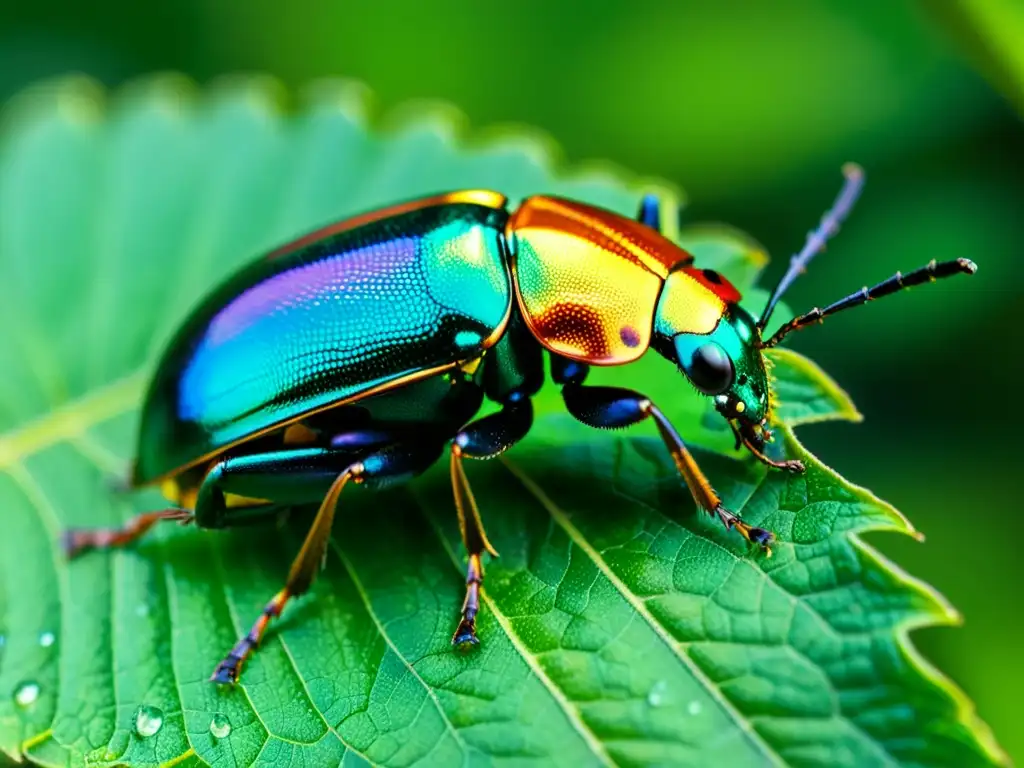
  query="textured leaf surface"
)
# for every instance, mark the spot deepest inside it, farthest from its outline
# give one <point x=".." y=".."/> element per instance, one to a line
<point x="619" y="627"/>
<point x="802" y="393"/>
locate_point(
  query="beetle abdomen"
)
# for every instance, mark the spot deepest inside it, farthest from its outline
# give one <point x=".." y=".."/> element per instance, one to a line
<point x="333" y="320"/>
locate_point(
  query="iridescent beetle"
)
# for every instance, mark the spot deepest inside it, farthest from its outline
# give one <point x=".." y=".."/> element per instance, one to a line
<point x="363" y="351"/>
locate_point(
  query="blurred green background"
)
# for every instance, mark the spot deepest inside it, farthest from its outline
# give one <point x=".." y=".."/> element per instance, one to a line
<point x="751" y="110"/>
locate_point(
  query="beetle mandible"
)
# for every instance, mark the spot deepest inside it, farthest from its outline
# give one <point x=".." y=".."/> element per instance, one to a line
<point x="363" y="351"/>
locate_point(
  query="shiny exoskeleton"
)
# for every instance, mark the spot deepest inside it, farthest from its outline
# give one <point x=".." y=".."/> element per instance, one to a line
<point x="363" y="352"/>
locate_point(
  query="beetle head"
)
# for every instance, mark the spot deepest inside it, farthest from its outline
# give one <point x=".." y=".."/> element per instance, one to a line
<point x="726" y="364"/>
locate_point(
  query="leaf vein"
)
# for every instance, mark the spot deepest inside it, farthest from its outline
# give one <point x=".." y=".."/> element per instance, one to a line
<point x="673" y="645"/>
<point x="573" y="715"/>
<point x="35" y="496"/>
<point x="70" y="419"/>
<point x="233" y="613"/>
<point x="431" y="695"/>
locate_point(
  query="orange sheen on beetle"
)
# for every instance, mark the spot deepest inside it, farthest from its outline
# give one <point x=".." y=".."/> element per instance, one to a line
<point x="689" y="305"/>
<point x="587" y="280"/>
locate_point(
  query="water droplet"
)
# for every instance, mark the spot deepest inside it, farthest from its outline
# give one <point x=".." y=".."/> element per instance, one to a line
<point x="656" y="697"/>
<point x="142" y="610"/>
<point x="2" y="641"/>
<point x="220" y="726"/>
<point x="148" y="720"/>
<point x="694" y="707"/>
<point x="47" y="639"/>
<point x="26" y="694"/>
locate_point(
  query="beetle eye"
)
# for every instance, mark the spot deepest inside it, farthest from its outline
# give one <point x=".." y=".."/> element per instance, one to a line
<point x="710" y="369"/>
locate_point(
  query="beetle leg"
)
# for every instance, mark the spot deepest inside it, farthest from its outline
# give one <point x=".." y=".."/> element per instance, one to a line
<point x="650" y="212"/>
<point x="76" y="540"/>
<point x="612" y="407"/>
<point x="482" y="439"/>
<point x="755" y="444"/>
<point x="290" y="477"/>
<point x="300" y="577"/>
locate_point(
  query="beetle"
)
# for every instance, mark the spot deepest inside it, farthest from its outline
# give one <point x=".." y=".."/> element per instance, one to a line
<point x="362" y="352"/>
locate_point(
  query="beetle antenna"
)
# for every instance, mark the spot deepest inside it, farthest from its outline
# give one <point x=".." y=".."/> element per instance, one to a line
<point x="816" y="239"/>
<point x="929" y="273"/>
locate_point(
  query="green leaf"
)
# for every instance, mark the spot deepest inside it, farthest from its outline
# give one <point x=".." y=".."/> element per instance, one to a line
<point x="802" y="393"/>
<point x="619" y="625"/>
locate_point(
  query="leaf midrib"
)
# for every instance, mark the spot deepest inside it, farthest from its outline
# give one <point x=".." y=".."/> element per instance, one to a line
<point x="71" y="419"/>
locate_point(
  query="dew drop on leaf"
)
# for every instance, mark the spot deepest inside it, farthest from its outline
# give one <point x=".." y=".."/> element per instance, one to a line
<point x="656" y="696"/>
<point x="47" y="639"/>
<point x="26" y="694"/>
<point x="220" y="726"/>
<point x="148" y="720"/>
<point x="694" y="707"/>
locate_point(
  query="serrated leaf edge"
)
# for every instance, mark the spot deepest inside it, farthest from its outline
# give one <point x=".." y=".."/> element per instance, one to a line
<point x="844" y="409"/>
<point x="942" y="612"/>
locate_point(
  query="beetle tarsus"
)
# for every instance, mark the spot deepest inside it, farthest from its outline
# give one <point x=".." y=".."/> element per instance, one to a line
<point x="228" y="670"/>
<point x="465" y="635"/>
<point x="762" y="537"/>
<point x="72" y="543"/>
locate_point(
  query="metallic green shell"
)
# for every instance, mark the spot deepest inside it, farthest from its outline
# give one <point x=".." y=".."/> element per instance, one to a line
<point x="334" y="319"/>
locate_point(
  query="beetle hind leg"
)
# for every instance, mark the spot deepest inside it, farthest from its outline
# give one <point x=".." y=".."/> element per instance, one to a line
<point x="296" y="477"/>
<point x="475" y="540"/>
<point x="300" y="577"/>
<point x="74" y="541"/>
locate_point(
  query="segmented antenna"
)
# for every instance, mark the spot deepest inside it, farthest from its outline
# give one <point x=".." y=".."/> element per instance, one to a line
<point x="929" y="273"/>
<point x="816" y="239"/>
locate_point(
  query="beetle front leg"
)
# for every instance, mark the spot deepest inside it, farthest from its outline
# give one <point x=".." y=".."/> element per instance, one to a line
<point x="613" y="407"/>
<point x="482" y="439"/>
<point x="754" y="442"/>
